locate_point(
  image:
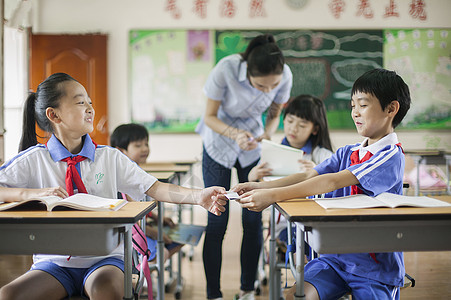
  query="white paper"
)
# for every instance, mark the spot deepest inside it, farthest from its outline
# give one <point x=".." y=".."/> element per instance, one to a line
<point x="283" y="160"/>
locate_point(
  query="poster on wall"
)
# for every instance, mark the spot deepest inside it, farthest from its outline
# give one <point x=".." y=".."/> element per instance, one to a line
<point x="422" y="57"/>
<point x="167" y="71"/>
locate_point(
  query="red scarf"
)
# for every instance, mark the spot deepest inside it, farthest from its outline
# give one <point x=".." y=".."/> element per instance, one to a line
<point x="73" y="176"/>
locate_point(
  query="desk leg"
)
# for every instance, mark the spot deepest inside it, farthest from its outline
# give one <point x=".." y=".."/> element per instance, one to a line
<point x="128" y="289"/>
<point x="417" y="161"/>
<point x="300" y="250"/>
<point x="272" y="256"/>
<point x="160" y="253"/>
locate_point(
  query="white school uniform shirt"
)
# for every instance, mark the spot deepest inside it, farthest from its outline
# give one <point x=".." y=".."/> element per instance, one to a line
<point x="105" y="172"/>
<point x="241" y="107"/>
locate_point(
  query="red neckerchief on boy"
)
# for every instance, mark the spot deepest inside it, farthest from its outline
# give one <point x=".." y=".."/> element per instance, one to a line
<point x="355" y="189"/>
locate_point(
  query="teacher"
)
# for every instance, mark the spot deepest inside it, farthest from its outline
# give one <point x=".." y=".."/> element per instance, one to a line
<point x="240" y="88"/>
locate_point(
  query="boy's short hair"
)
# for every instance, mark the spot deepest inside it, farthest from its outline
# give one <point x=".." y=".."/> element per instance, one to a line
<point x="386" y="86"/>
<point x="124" y="134"/>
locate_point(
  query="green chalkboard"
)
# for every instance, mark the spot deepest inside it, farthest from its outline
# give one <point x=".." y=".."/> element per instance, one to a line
<point x="324" y="63"/>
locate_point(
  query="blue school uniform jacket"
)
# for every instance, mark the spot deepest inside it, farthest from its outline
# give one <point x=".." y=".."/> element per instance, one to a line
<point x="383" y="172"/>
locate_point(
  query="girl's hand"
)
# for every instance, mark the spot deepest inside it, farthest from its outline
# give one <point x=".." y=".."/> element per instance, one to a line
<point x="36" y="193"/>
<point x="257" y="200"/>
<point x="259" y="171"/>
<point x="152" y="232"/>
<point x="306" y="165"/>
<point x="213" y="199"/>
<point x="246" y="141"/>
<point x="264" y="136"/>
<point x="242" y="188"/>
<point x="168" y="222"/>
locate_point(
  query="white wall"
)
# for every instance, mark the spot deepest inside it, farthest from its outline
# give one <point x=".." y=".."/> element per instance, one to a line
<point x="116" y="18"/>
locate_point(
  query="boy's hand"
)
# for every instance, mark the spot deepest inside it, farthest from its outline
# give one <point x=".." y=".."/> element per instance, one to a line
<point x="213" y="199"/>
<point x="259" y="171"/>
<point x="242" y="188"/>
<point x="257" y="200"/>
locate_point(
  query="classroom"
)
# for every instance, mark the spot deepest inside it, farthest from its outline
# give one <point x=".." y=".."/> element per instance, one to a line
<point x="146" y="62"/>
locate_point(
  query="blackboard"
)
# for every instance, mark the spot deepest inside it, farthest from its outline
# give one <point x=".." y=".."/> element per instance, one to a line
<point x="324" y="63"/>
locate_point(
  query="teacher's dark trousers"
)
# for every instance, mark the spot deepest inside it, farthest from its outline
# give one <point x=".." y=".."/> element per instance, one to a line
<point x="216" y="174"/>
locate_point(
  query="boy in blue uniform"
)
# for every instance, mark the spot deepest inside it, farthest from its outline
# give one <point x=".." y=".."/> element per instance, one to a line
<point x="380" y="100"/>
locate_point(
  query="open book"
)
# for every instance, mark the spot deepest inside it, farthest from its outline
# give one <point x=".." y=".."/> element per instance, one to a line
<point x="185" y="233"/>
<point x="283" y="160"/>
<point x="78" y="201"/>
<point x="382" y="200"/>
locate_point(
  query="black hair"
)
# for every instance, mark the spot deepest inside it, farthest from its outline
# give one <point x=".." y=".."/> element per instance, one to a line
<point x="386" y="86"/>
<point x="263" y="56"/>
<point x="312" y="109"/>
<point x="48" y="94"/>
<point x="124" y="134"/>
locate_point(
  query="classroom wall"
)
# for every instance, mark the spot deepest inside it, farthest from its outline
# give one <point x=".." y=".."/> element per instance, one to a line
<point x="116" y="18"/>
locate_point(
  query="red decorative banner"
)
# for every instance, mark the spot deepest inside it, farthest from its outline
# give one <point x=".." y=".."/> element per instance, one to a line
<point x="171" y="6"/>
<point x="256" y="9"/>
<point x="364" y="9"/>
<point x="200" y="8"/>
<point x="417" y="10"/>
<point x="391" y="10"/>
<point x="227" y="9"/>
<point x="337" y="7"/>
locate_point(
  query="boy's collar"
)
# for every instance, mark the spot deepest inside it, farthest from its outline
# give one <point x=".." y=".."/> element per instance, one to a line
<point x="59" y="152"/>
<point x="389" y="139"/>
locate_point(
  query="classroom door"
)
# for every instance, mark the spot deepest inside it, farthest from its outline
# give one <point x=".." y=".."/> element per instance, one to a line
<point x="84" y="57"/>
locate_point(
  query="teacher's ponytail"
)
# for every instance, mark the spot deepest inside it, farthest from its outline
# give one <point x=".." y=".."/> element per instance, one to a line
<point x="263" y="56"/>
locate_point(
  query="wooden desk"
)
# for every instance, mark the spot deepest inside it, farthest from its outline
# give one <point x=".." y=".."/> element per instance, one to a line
<point x="171" y="167"/>
<point x="164" y="176"/>
<point x="73" y="232"/>
<point x="363" y="230"/>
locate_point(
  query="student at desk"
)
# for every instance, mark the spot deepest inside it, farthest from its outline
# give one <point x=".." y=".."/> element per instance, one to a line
<point x="133" y="140"/>
<point x="305" y="127"/>
<point x="70" y="158"/>
<point x="380" y="100"/>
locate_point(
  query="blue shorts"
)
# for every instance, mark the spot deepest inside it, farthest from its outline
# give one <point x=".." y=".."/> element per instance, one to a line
<point x="332" y="282"/>
<point x="152" y="246"/>
<point x="73" y="279"/>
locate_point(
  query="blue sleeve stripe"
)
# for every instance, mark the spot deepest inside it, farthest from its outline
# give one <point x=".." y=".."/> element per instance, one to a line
<point x="376" y="162"/>
<point x="22" y="153"/>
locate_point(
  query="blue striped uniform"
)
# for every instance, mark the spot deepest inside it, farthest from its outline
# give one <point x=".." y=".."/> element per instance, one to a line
<point x="383" y="172"/>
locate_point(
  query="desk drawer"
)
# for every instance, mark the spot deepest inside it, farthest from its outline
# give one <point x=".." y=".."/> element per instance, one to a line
<point x="353" y="237"/>
<point x="80" y="239"/>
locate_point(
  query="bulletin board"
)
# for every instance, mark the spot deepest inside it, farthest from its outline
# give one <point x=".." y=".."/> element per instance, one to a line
<point x="423" y="59"/>
<point x="169" y="67"/>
